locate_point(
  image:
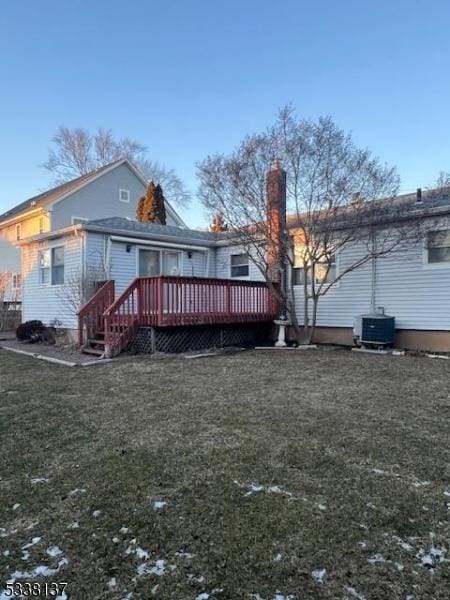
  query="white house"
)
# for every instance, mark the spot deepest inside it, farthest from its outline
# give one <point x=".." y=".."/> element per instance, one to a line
<point x="110" y="191"/>
<point x="412" y="285"/>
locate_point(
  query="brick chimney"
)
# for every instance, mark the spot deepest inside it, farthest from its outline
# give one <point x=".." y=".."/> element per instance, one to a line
<point x="276" y="219"/>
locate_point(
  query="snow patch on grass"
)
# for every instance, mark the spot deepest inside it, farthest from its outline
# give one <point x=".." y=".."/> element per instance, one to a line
<point x="353" y="593"/>
<point x="40" y="571"/>
<point x="431" y="559"/>
<point x="255" y="488"/>
<point x="77" y="491"/>
<point x="376" y="559"/>
<point x="319" y="575"/>
<point x="54" y="551"/>
<point x="33" y="542"/>
<point x="418" y="483"/>
<point x="160" y="567"/>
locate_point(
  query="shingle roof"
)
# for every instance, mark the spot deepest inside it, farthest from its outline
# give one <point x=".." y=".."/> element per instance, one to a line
<point x="55" y="193"/>
<point x="120" y="224"/>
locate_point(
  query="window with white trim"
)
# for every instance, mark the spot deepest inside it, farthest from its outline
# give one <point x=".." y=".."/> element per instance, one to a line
<point x="325" y="272"/>
<point x="18" y="231"/>
<point x="124" y="195"/>
<point x="41" y="224"/>
<point x="239" y="266"/>
<point x="16" y="281"/>
<point x="51" y="266"/>
<point x="158" y="262"/>
<point x="438" y="247"/>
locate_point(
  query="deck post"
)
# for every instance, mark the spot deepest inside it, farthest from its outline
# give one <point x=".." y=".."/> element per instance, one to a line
<point x="228" y="299"/>
<point x="160" y="301"/>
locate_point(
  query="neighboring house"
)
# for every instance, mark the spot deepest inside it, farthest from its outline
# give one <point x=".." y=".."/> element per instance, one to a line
<point x="110" y="191"/>
<point x="412" y="285"/>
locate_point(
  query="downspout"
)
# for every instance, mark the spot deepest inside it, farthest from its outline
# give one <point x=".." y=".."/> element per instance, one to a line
<point x="107" y="255"/>
<point x="373" y="282"/>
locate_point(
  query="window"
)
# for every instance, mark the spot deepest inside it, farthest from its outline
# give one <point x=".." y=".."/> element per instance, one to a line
<point x="149" y="263"/>
<point x="326" y="271"/>
<point x="321" y="276"/>
<point x="51" y="266"/>
<point x="171" y="263"/>
<point x="298" y="276"/>
<point x="158" y="262"/>
<point x="41" y="225"/>
<point x="239" y="265"/>
<point x="124" y="195"/>
<point x="438" y="245"/>
<point x="16" y="281"/>
<point x="79" y="220"/>
<point x="18" y="231"/>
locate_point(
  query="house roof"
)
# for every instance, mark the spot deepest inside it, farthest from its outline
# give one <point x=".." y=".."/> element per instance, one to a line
<point x="61" y="191"/>
<point x="57" y="192"/>
<point x="404" y="206"/>
<point x="122" y="225"/>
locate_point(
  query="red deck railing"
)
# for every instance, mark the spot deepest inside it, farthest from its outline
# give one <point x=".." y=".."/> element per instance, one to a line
<point x="90" y="317"/>
<point x="178" y="301"/>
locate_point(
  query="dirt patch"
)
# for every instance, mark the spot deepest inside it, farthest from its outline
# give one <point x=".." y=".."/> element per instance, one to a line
<point x="311" y="475"/>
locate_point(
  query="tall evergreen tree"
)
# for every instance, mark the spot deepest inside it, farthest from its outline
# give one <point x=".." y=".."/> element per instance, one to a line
<point x="151" y="207"/>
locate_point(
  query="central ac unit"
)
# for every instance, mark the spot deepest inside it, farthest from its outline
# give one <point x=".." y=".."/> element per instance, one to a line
<point x="375" y="329"/>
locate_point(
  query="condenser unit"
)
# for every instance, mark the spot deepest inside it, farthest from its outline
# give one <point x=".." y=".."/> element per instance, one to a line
<point x="374" y="328"/>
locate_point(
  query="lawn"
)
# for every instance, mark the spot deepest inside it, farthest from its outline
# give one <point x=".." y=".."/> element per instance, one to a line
<point x="256" y="475"/>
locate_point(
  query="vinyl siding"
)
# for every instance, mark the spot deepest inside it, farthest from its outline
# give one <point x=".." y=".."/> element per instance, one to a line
<point x="49" y="302"/>
<point x="123" y="264"/>
<point x="223" y="264"/>
<point x="9" y="253"/>
<point x="100" y="199"/>
<point x="416" y="294"/>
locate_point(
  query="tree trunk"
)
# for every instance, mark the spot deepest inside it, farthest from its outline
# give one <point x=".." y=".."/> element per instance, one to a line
<point x="313" y="319"/>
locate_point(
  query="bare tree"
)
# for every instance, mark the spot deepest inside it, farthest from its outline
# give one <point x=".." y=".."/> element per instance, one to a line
<point x="79" y="286"/>
<point x="333" y="201"/>
<point x="78" y="152"/>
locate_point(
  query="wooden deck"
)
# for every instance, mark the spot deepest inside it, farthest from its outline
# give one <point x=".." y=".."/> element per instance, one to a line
<point x="171" y="302"/>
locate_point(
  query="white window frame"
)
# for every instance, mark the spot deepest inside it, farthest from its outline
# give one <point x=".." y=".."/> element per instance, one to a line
<point x="41" y="225"/>
<point x="18" y="232"/>
<point x="16" y="277"/>
<point x="82" y="219"/>
<point x="300" y="285"/>
<point x="127" y="201"/>
<point x="50" y="249"/>
<point x="426" y="263"/>
<point x="161" y="251"/>
<point x="240" y="265"/>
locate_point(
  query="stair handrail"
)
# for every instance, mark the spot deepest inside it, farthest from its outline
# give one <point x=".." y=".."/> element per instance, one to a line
<point x="90" y="315"/>
<point x="121" y="320"/>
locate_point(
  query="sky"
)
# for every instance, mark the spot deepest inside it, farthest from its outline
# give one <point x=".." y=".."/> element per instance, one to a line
<point x="190" y="78"/>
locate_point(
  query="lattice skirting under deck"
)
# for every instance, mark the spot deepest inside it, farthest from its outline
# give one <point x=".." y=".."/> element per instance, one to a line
<point x="183" y="339"/>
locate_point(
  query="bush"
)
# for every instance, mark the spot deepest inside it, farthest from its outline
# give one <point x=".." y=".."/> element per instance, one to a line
<point x="31" y="331"/>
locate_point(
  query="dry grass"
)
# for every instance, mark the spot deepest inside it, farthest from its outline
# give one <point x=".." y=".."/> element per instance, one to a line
<point x="357" y="445"/>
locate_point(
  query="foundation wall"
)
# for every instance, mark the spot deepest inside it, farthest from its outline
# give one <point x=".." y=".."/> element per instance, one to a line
<point x="407" y="339"/>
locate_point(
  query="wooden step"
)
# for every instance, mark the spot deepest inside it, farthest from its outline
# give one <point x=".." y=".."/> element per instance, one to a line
<point x="95" y="351"/>
<point x="96" y="341"/>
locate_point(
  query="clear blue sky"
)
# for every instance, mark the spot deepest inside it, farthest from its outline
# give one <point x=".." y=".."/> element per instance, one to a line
<point x="188" y="78"/>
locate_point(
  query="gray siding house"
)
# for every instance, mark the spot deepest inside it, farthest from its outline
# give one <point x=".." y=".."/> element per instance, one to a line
<point x="111" y="191"/>
<point x="413" y="285"/>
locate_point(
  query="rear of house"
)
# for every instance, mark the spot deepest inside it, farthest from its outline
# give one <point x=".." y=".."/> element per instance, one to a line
<point x="111" y="191"/>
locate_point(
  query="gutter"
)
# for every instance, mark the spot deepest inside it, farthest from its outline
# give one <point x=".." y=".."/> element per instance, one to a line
<point x="146" y="242"/>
